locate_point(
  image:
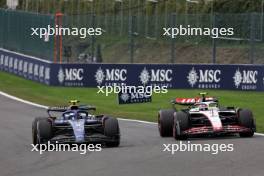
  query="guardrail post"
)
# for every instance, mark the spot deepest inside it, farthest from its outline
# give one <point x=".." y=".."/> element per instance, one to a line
<point x="214" y="41"/>
<point x="131" y="35"/>
<point x="58" y="39"/>
<point x="252" y="38"/>
<point x="173" y="23"/>
<point x="93" y="36"/>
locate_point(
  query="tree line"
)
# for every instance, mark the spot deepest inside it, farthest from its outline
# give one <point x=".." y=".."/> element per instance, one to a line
<point x="104" y="7"/>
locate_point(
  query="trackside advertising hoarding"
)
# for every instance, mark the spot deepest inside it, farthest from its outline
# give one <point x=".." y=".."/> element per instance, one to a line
<point x="25" y="66"/>
<point x="136" y="96"/>
<point x="183" y="76"/>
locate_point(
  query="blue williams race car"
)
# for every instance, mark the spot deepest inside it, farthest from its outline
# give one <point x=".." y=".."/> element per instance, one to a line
<point x="75" y="124"/>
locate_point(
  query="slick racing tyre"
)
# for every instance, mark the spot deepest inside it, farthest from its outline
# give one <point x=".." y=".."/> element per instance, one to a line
<point x="165" y="122"/>
<point x="180" y="123"/>
<point x="245" y="119"/>
<point x="41" y="130"/>
<point x="34" y="129"/>
<point x="111" y="130"/>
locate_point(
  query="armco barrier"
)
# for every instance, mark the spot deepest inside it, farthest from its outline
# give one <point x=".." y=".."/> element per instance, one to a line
<point x="185" y="76"/>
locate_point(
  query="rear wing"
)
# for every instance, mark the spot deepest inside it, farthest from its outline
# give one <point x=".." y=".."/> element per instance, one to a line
<point x="56" y="109"/>
<point x="87" y="108"/>
<point x="192" y="101"/>
<point x="66" y="108"/>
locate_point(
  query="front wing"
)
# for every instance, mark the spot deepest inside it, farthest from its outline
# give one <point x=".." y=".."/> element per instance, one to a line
<point x="95" y="138"/>
<point x="228" y="129"/>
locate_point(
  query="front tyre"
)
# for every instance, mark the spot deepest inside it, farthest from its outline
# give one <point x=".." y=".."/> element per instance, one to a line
<point x="41" y="130"/>
<point x="37" y="126"/>
<point x="111" y="130"/>
<point x="245" y="119"/>
<point x="165" y="122"/>
<point x="180" y="123"/>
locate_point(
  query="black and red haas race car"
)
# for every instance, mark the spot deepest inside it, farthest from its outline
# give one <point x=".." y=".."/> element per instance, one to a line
<point x="204" y="116"/>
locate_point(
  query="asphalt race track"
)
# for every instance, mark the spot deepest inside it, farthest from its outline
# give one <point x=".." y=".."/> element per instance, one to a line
<point x="140" y="154"/>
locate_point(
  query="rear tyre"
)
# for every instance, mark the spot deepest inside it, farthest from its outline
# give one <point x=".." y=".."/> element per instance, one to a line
<point x="165" y="122"/>
<point x="180" y="123"/>
<point x="245" y="119"/>
<point x="111" y="130"/>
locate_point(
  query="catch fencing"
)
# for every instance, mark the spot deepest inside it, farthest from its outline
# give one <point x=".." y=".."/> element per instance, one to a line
<point x="138" y="38"/>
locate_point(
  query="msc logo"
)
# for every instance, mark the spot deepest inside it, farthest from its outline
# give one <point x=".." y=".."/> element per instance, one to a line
<point x="20" y="65"/>
<point x="15" y="64"/>
<point x="137" y="95"/>
<point x="70" y="74"/>
<point x="47" y="73"/>
<point x="203" y="76"/>
<point x="6" y="61"/>
<point x="2" y="59"/>
<point x="245" y="77"/>
<point x="30" y="68"/>
<point x="41" y="71"/>
<point x="10" y="62"/>
<point x="25" y="67"/>
<point x="36" y="70"/>
<point x="125" y="97"/>
<point x="110" y="75"/>
<point x="159" y="75"/>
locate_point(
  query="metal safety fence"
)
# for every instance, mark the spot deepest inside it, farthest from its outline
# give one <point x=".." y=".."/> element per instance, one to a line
<point x="138" y="38"/>
<point x="15" y="33"/>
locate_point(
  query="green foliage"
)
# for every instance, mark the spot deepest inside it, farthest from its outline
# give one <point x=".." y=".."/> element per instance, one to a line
<point x="238" y="6"/>
<point x="101" y="7"/>
<point x="2" y="3"/>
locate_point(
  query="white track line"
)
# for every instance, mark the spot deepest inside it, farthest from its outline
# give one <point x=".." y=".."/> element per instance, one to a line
<point x="138" y="121"/>
<point x="23" y="101"/>
<point x="46" y="107"/>
<point x="259" y="134"/>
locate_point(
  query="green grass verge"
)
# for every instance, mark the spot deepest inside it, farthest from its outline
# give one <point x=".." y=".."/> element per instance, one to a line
<point x="54" y="96"/>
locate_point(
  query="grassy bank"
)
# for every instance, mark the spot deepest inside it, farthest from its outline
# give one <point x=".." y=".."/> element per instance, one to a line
<point x="52" y="96"/>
